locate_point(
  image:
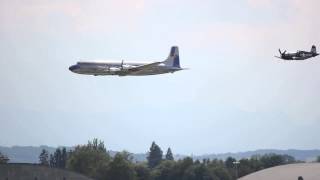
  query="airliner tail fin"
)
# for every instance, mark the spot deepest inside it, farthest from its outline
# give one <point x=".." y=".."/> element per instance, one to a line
<point x="173" y="59"/>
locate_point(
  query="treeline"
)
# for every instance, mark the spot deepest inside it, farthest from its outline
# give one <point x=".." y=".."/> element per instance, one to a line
<point x="58" y="159"/>
<point x="94" y="161"/>
<point x="3" y="158"/>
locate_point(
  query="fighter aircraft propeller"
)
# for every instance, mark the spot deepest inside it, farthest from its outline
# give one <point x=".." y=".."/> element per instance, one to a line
<point x="282" y="53"/>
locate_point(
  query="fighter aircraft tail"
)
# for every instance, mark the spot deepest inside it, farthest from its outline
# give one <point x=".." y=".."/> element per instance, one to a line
<point x="173" y="59"/>
<point x="314" y="49"/>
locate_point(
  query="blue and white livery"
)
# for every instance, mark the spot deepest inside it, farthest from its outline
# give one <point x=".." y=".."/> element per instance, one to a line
<point x="124" y="68"/>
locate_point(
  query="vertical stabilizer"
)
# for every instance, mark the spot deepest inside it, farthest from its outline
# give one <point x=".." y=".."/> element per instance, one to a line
<point x="314" y="49"/>
<point x="173" y="59"/>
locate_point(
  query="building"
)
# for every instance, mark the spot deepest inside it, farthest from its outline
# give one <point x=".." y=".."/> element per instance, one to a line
<point x="308" y="171"/>
<point x="36" y="172"/>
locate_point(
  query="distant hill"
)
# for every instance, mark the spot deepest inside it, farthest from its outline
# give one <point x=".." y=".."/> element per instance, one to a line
<point x="302" y="155"/>
<point x="30" y="154"/>
<point x="24" y="154"/>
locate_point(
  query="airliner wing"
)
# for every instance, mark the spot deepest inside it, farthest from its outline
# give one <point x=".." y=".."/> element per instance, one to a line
<point x="146" y="67"/>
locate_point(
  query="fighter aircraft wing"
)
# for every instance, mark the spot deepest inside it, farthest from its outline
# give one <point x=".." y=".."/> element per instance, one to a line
<point x="146" y="67"/>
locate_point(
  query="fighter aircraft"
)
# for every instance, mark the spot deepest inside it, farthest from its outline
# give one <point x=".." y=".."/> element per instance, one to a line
<point x="124" y="68"/>
<point x="299" y="55"/>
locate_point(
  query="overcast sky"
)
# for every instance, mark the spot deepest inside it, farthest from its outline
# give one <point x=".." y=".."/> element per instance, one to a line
<point x="235" y="97"/>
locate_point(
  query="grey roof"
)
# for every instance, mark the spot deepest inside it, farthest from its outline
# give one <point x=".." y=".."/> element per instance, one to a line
<point x="309" y="171"/>
<point x="34" y="171"/>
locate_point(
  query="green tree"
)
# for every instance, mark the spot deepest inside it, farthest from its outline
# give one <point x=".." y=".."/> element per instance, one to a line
<point x="91" y="159"/>
<point x="244" y="167"/>
<point x="232" y="166"/>
<point x="255" y="163"/>
<point x="271" y="160"/>
<point x="197" y="172"/>
<point x="64" y="158"/>
<point x="44" y="157"/>
<point x="169" y="155"/>
<point x="164" y="171"/>
<point x="220" y="172"/>
<point x="121" y="168"/>
<point x="142" y="172"/>
<point x="59" y="158"/>
<point x="181" y="166"/>
<point x="229" y="163"/>
<point x="52" y="161"/>
<point x="3" y="159"/>
<point x="155" y="155"/>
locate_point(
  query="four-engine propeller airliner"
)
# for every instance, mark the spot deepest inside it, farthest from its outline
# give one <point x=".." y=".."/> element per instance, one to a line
<point x="124" y="68"/>
<point x="299" y="55"/>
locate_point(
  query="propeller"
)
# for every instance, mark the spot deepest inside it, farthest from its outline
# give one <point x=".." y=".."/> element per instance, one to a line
<point x="121" y="65"/>
<point x="124" y="67"/>
<point x="282" y="53"/>
<point x="116" y="69"/>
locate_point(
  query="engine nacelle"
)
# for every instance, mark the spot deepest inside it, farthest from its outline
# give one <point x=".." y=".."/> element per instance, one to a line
<point x="114" y="69"/>
<point x="127" y="66"/>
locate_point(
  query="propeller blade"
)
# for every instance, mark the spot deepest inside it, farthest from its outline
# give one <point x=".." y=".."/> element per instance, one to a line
<point x="284" y="52"/>
<point x="280" y="51"/>
<point x="122" y="65"/>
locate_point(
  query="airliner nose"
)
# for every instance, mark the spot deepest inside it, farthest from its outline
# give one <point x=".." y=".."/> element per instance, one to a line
<point x="73" y="67"/>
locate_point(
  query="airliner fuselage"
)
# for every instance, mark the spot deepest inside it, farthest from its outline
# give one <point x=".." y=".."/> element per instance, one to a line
<point x="126" y="68"/>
